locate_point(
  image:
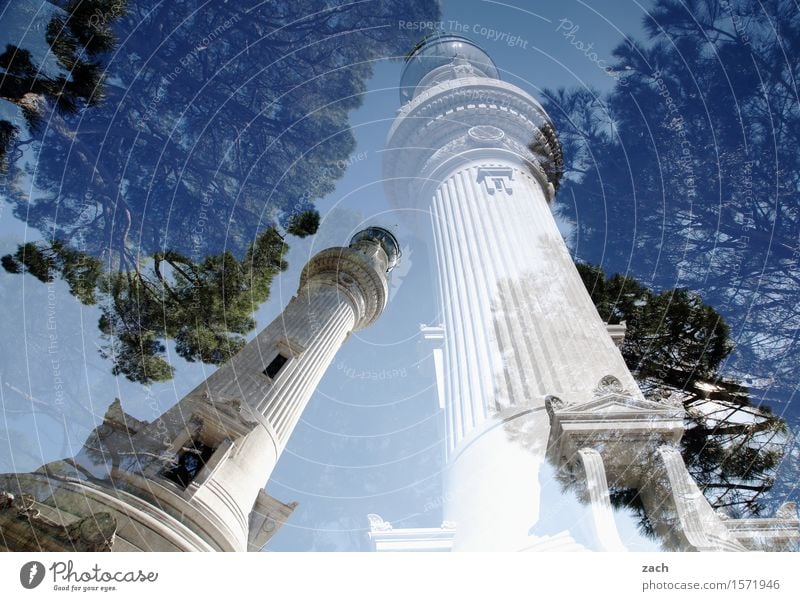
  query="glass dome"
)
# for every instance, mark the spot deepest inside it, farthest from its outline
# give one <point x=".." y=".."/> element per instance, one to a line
<point x="440" y="50"/>
<point x="383" y="237"/>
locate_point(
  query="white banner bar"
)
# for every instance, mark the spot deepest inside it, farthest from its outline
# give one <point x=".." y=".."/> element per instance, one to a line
<point x="400" y="576"/>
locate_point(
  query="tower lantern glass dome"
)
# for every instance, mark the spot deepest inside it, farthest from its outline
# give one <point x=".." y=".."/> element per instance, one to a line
<point x="383" y="237"/>
<point x="440" y="50"/>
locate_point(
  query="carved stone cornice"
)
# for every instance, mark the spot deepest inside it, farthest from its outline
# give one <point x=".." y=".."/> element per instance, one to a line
<point x="349" y="271"/>
<point x="621" y="425"/>
<point x="425" y="128"/>
<point x="780" y="533"/>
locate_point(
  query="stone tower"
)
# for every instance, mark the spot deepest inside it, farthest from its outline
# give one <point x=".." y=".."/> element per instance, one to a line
<point x="537" y="397"/>
<point x="193" y="479"/>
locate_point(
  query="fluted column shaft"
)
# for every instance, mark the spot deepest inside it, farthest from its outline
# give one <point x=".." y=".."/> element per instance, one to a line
<point x="270" y="381"/>
<point x="519" y="323"/>
<point x="309" y="332"/>
<point x="323" y="317"/>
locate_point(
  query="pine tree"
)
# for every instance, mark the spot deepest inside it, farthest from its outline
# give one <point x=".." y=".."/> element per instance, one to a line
<point x="674" y="345"/>
<point x="206" y="307"/>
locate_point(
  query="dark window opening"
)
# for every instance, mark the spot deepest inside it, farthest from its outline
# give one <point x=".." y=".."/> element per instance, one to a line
<point x="190" y="461"/>
<point x="275" y="365"/>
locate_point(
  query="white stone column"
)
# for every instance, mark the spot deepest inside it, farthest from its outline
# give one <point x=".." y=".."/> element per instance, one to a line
<point x="308" y="333"/>
<point x="205" y="461"/>
<point x="272" y="378"/>
<point x="605" y="529"/>
<point x="519" y="322"/>
<point x="519" y="326"/>
<point x="341" y="290"/>
<point x="481" y="158"/>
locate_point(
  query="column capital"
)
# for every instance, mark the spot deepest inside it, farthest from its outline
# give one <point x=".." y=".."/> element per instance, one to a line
<point x="358" y="272"/>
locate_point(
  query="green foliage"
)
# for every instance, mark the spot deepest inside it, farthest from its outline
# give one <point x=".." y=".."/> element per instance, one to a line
<point x="139" y="357"/>
<point x="690" y="165"/>
<point x="251" y="126"/>
<point x="78" y="37"/>
<point x="243" y="106"/>
<point x="44" y="262"/>
<point x="206" y="307"/>
<point x="7" y="133"/>
<point x="671" y="336"/>
<point x="237" y="119"/>
<point x="676" y="344"/>
<point x="304" y="224"/>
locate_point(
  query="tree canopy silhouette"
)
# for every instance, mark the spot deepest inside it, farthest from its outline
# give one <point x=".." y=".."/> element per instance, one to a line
<point x="226" y="113"/>
<point x="687" y="173"/>
<point x="80" y="41"/>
